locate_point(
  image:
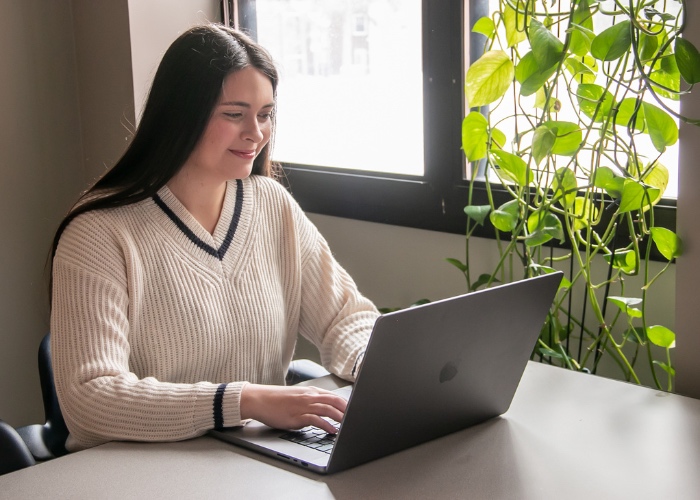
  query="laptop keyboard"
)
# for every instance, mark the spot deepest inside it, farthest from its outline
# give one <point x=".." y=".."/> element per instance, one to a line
<point x="312" y="437"/>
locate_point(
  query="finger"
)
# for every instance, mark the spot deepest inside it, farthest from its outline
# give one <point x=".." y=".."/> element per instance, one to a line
<point x="321" y="423"/>
<point x="327" y="411"/>
<point x="331" y="399"/>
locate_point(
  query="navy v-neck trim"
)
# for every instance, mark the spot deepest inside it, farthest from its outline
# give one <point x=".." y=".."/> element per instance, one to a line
<point x="221" y="252"/>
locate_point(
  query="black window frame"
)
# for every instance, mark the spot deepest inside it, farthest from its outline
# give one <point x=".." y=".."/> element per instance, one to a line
<point x="436" y="200"/>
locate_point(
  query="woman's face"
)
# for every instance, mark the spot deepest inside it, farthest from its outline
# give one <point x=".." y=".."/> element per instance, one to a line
<point x="238" y="129"/>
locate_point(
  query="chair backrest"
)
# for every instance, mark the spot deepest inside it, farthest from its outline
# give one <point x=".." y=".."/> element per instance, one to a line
<point x="14" y="454"/>
<point x="58" y="432"/>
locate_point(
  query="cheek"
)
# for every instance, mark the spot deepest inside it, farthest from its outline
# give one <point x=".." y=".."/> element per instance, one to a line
<point x="211" y="138"/>
<point x="266" y="132"/>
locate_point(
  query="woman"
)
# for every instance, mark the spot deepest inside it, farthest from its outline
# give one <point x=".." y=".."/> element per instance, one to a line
<point x="183" y="276"/>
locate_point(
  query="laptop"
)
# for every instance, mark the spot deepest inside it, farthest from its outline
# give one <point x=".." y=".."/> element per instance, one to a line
<point x="428" y="371"/>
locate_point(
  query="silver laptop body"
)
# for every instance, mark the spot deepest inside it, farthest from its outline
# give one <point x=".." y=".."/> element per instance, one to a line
<point x="428" y="371"/>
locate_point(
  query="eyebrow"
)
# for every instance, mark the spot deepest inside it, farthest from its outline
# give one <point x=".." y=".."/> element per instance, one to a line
<point x="244" y="104"/>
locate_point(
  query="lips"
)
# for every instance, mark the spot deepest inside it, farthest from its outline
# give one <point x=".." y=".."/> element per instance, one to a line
<point x="246" y="154"/>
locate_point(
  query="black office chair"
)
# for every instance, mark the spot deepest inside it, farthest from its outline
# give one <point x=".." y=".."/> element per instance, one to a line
<point x="301" y="370"/>
<point x="46" y="441"/>
<point x="14" y="454"/>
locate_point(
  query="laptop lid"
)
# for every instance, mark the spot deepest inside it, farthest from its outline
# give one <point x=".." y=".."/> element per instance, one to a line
<point x="429" y="371"/>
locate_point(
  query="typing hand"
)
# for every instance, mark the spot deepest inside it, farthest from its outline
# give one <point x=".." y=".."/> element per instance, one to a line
<point x="292" y="407"/>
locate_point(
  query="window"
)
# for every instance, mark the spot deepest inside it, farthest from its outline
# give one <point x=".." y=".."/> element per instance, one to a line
<point x="340" y="63"/>
<point x="410" y="170"/>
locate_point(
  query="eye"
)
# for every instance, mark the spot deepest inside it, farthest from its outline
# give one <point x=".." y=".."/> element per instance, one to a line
<point x="265" y="116"/>
<point x="234" y="115"/>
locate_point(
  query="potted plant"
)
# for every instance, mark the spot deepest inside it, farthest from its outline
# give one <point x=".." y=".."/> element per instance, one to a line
<point x="573" y="109"/>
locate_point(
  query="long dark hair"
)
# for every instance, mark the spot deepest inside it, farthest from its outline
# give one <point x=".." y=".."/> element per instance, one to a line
<point x="185" y="90"/>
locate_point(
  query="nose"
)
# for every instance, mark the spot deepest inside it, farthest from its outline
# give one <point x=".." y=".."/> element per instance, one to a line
<point x="252" y="131"/>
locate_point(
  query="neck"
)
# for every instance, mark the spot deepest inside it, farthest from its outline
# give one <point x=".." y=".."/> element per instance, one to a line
<point x="203" y="201"/>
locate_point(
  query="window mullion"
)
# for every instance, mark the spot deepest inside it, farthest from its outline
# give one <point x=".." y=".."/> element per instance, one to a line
<point x="443" y="71"/>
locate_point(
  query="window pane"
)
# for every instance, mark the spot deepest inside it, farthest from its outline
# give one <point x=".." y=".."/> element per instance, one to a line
<point x="351" y="91"/>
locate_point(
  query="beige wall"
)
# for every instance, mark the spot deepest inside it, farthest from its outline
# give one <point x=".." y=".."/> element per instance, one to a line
<point x="151" y="34"/>
<point x="103" y="52"/>
<point x="41" y="173"/>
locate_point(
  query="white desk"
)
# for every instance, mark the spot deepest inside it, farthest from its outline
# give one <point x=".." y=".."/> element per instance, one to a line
<point x="567" y="436"/>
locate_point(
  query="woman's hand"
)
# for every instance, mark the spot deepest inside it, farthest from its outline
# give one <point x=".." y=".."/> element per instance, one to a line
<point x="291" y="407"/>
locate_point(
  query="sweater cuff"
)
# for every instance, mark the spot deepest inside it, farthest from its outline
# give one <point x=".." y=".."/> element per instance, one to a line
<point x="358" y="363"/>
<point x="228" y="414"/>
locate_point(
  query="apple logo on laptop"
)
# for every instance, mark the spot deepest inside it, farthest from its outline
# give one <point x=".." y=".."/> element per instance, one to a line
<point x="448" y="372"/>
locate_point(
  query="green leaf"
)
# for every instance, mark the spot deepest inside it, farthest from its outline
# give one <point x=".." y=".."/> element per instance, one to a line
<point x="527" y="66"/>
<point x="540" y="97"/>
<point x="498" y="138"/>
<point x="546" y="47"/>
<point x="579" y="70"/>
<point x="505" y="217"/>
<point x="582" y="29"/>
<point x="649" y="119"/>
<point x="475" y="136"/>
<point x="657" y="177"/>
<point x="636" y="334"/>
<point x="485" y="26"/>
<point x="530" y="76"/>
<point x="420" y="302"/>
<point x="602" y="177"/>
<point x="605" y="178"/>
<point x="540" y="269"/>
<point x="648" y="46"/>
<point x="667" y="242"/>
<point x="594" y="101"/>
<point x="551" y="334"/>
<point x="624" y="260"/>
<point x="512" y="167"/>
<point x="688" y="60"/>
<point x="542" y="141"/>
<point x="515" y="24"/>
<point x="458" y="264"/>
<point x="661" y="127"/>
<point x="477" y="213"/>
<point x="626" y="303"/>
<point x="668" y="369"/>
<point x="565" y="186"/>
<point x="626" y="114"/>
<point x="546" y="351"/>
<point x="613" y="42"/>
<point x="551" y="103"/>
<point x="543" y="226"/>
<point x="483" y="279"/>
<point x="667" y="76"/>
<point x="488" y="78"/>
<point x="650" y="12"/>
<point x="569" y="137"/>
<point x="661" y="336"/>
<point x="583" y="213"/>
<point x="636" y="196"/>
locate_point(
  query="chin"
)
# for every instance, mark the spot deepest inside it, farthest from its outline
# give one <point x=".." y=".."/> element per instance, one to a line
<point x="239" y="173"/>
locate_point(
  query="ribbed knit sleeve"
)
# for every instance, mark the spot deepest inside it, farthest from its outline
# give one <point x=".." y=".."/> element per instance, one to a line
<point x="100" y="397"/>
<point x="334" y="315"/>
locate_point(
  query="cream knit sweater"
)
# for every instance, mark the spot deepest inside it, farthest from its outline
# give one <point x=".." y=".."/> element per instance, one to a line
<point x="157" y="325"/>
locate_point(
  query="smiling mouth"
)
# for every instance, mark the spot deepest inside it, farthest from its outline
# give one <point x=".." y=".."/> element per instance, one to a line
<point x="247" y="154"/>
